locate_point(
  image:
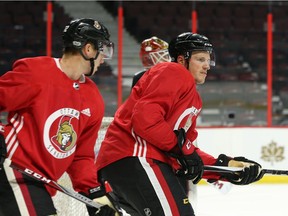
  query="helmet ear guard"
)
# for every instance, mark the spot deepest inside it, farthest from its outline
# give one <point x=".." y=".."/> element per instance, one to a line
<point x="187" y="43"/>
<point x="153" y="51"/>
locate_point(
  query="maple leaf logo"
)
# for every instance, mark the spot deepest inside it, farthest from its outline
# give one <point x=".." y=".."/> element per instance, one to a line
<point x="272" y="153"/>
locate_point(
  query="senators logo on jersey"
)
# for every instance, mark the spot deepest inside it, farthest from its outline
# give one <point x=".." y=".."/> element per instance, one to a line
<point x="65" y="138"/>
<point x="59" y="132"/>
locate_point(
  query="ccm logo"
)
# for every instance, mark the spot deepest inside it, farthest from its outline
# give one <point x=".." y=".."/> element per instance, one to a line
<point x="36" y="175"/>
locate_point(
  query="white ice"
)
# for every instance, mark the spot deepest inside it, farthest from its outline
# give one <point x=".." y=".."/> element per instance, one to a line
<point x="249" y="200"/>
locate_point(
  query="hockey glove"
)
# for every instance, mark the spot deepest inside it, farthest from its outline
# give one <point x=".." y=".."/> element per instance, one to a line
<point x="190" y="161"/>
<point x="251" y="170"/>
<point x="104" y="211"/>
<point x="102" y="195"/>
<point x="3" y="150"/>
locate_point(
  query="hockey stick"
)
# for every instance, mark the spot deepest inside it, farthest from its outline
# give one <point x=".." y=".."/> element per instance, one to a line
<point x="222" y="169"/>
<point x="62" y="189"/>
<point x="237" y="169"/>
<point x="55" y="185"/>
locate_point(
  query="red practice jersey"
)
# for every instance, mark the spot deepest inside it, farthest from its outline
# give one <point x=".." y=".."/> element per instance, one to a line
<point x="52" y="121"/>
<point x="163" y="100"/>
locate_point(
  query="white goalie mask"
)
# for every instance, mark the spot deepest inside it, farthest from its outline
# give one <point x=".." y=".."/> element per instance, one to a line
<point x="153" y="51"/>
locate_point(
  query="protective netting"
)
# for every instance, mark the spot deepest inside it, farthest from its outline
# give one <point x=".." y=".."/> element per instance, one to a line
<point x="68" y="206"/>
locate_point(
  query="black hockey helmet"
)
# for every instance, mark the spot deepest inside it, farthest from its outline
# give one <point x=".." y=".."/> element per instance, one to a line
<point x="185" y="43"/>
<point x="81" y="31"/>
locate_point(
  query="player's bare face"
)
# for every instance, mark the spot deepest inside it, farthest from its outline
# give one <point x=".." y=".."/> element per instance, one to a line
<point x="90" y="52"/>
<point x="199" y="65"/>
<point x="98" y="61"/>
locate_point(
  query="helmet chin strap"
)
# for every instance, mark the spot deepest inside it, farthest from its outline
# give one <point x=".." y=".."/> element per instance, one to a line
<point x="187" y="64"/>
<point x="92" y="65"/>
<point x="188" y="60"/>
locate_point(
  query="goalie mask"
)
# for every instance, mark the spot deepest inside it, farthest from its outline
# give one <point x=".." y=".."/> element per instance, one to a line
<point x="153" y="51"/>
<point x="185" y="43"/>
<point x="79" y="32"/>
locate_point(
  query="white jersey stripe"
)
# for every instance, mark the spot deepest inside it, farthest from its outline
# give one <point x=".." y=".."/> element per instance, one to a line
<point x="135" y="149"/>
<point x="20" y="124"/>
<point x="13" y="149"/>
<point x="135" y="145"/>
<point x="145" y="148"/>
<point x="156" y="185"/>
<point x="11" y="139"/>
<point x="8" y="137"/>
<point x="140" y="146"/>
<point x="11" y="145"/>
<point x="12" y="132"/>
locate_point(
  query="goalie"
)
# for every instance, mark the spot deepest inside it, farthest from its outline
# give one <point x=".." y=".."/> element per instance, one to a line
<point x="148" y="148"/>
<point x="152" y="51"/>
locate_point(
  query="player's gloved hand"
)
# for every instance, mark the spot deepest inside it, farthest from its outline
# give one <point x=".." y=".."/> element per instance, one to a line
<point x="191" y="163"/>
<point x="101" y="195"/>
<point x="3" y="150"/>
<point x="251" y="170"/>
<point x="105" y="211"/>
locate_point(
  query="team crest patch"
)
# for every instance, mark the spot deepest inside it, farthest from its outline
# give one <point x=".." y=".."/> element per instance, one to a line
<point x="97" y="25"/>
<point x="59" y="132"/>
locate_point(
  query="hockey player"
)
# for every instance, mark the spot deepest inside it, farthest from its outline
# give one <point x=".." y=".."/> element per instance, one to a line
<point x="54" y="113"/>
<point x="150" y="141"/>
<point x="152" y="51"/>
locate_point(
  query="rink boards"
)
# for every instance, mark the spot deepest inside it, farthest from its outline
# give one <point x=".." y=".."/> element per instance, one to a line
<point x="267" y="146"/>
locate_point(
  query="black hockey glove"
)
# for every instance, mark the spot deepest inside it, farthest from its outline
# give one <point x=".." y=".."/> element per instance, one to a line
<point x="3" y="150"/>
<point x="251" y="170"/>
<point x="110" y="205"/>
<point x="104" y="211"/>
<point x="190" y="161"/>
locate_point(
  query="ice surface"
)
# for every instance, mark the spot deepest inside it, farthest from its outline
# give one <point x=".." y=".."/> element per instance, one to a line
<point x="249" y="200"/>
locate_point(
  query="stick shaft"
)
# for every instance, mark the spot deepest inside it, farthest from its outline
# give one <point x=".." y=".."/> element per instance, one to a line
<point x="55" y="185"/>
<point x="223" y="169"/>
<point x="275" y="172"/>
